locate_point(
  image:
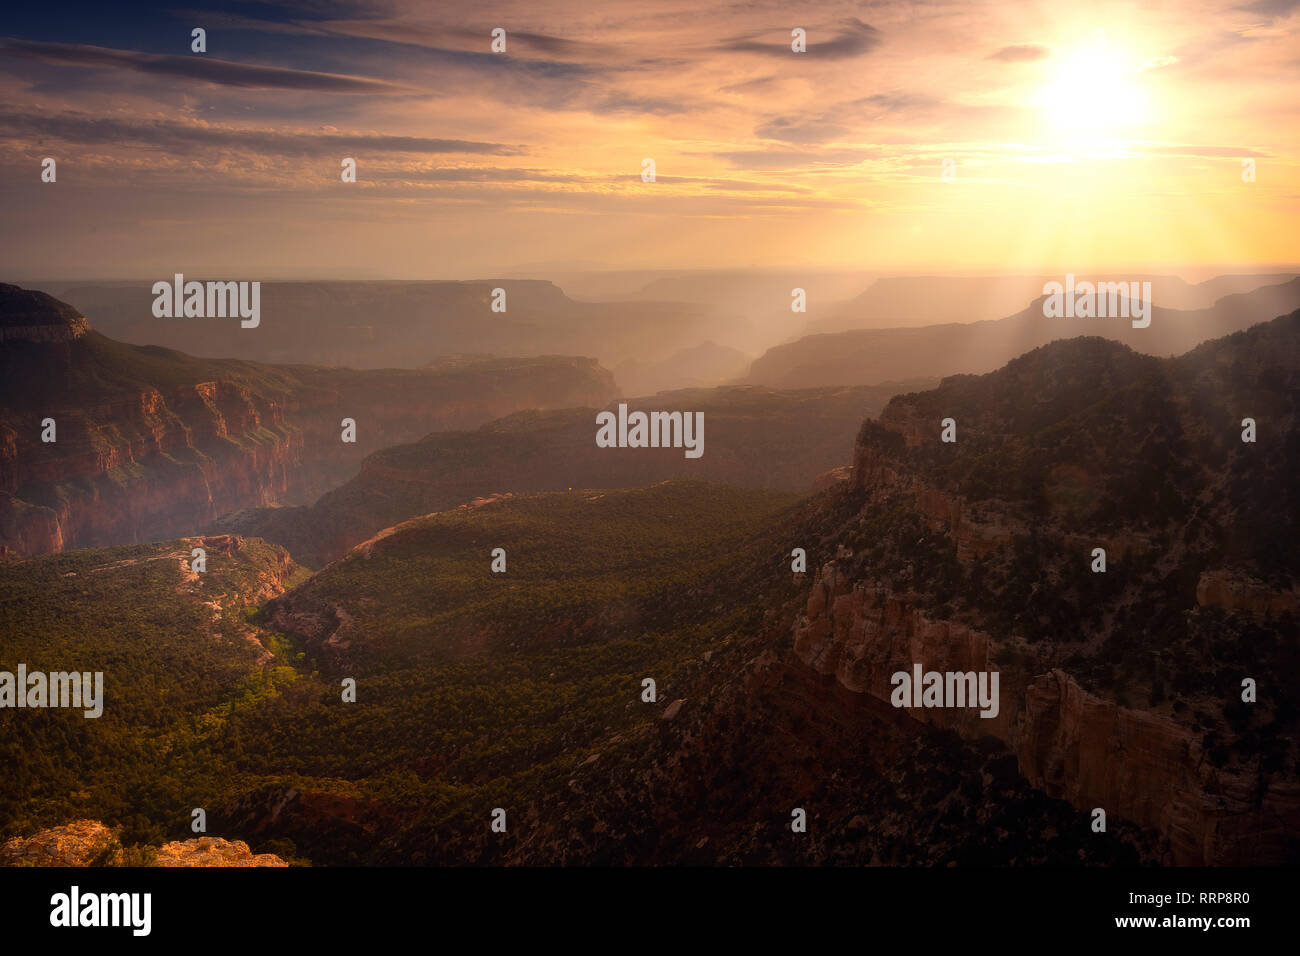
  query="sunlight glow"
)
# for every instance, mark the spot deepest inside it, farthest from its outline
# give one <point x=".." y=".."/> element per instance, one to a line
<point x="1093" y="93"/>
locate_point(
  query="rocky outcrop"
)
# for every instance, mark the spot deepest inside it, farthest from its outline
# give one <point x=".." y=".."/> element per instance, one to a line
<point x="213" y="851"/>
<point x="1050" y="462"/>
<point x="1142" y="767"/>
<point x="30" y="316"/>
<point x="149" y="444"/>
<point x="1235" y="591"/>
<point x="876" y="471"/>
<point x="832" y="478"/>
<point x="27" y="529"/>
<point x="78" y="843"/>
<point x="265" y="569"/>
<point x="861" y="635"/>
<point x="90" y="843"/>
<point x="1070" y="743"/>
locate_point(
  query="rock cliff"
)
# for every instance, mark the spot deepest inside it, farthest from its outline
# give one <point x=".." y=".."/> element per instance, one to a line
<point x="1070" y="743"/>
<point x="29" y="316"/>
<point x="103" y="443"/>
<point x="754" y="438"/>
<point x="1121" y="689"/>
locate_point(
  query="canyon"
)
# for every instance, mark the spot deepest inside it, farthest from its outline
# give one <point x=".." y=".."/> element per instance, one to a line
<point x="758" y="438"/>
<point x="1081" y="739"/>
<point x="152" y="443"/>
<point x="1119" y="690"/>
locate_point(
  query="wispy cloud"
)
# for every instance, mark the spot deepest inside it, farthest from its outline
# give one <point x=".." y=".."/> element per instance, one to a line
<point x="1186" y="149"/>
<point x="854" y="38"/>
<point x="1271" y="8"/>
<point x="176" y="137"/>
<point x="787" y="159"/>
<point x="838" y="121"/>
<point x="198" y="69"/>
<point x="1022" y="53"/>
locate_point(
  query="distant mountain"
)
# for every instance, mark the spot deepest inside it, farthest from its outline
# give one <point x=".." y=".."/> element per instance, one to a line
<point x="701" y="365"/>
<point x="763" y="297"/>
<point x="373" y="324"/>
<point x="30" y="316"/>
<point x="872" y="355"/>
<point x="912" y="301"/>
<point x="753" y="438"/>
<point x="150" y="443"/>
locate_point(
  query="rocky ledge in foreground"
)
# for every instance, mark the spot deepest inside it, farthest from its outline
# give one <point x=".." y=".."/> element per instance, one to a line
<point x="89" y="842"/>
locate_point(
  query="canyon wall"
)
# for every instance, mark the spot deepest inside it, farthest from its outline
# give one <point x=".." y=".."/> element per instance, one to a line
<point x="1070" y="743"/>
<point x="754" y="438"/>
<point x="1212" y="803"/>
<point x="163" y="459"/>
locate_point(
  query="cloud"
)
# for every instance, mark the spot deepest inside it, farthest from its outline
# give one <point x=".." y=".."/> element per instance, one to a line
<point x="800" y="131"/>
<point x="640" y="105"/>
<point x="559" y="54"/>
<point x="503" y="175"/>
<point x="1022" y="53"/>
<point x="1261" y="33"/>
<point x="1271" y="8"/>
<point x="556" y="46"/>
<point x="791" y="158"/>
<point x="854" y="39"/>
<point x="198" y="68"/>
<point x="1210" y="152"/>
<point x="880" y="104"/>
<point x="188" y="137"/>
<point x="493" y="174"/>
<point x="757" y="85"/>
<point x="831" y="125"/>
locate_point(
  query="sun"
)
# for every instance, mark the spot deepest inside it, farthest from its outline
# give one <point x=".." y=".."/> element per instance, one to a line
<point x="1093" y="93"/>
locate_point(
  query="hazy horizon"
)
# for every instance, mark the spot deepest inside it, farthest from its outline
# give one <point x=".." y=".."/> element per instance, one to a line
<point x="1191" y="275"/>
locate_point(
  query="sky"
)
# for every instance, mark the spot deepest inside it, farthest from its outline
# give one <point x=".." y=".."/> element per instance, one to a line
<point x="937" y="137"/>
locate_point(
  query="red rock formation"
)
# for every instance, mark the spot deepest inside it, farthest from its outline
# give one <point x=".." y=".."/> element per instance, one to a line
<point x="1070" y="743"/>
<point x="160" y="462"/>
<point x="89" y="842"/>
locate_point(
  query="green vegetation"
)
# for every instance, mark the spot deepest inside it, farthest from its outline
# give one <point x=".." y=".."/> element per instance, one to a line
<point x="174" y="671"/>
<point x="474" y="689"/>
